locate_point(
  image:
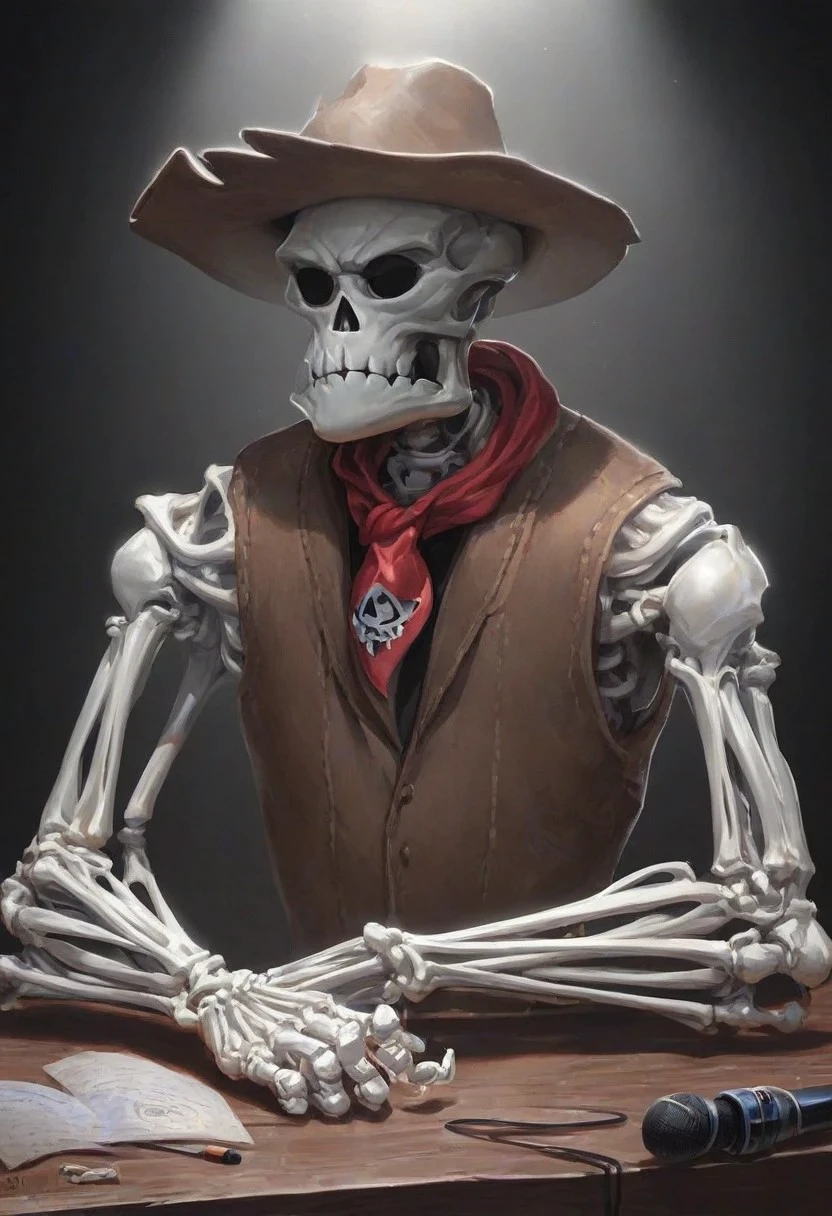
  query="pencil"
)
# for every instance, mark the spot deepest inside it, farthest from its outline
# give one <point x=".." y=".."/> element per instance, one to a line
<point x="210" y="1152"/>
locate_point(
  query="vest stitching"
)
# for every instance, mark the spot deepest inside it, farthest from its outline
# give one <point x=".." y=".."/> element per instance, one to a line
<point x="323" y="668"/>
<point x="516" y="531"/>
<point x="240" y="496"/>
<point x="300" y="507"/>
<point x="332" y="815"/>
<point x="496" y="755"/>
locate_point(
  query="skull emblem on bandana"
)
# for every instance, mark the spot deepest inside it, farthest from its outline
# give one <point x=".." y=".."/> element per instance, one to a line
<point x="380" y="618"/>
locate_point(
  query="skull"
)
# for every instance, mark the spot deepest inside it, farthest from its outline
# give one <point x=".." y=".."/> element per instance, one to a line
<point x="380" y="618"/>
<point x="393" y="291"/>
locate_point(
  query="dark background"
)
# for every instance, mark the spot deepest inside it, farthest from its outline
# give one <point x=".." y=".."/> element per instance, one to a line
<point x="129" y="372"/>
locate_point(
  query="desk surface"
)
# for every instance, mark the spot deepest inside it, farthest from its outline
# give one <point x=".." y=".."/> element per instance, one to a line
<point x="406" y="1161"/>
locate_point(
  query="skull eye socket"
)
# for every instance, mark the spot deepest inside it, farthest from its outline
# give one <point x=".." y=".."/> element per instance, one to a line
<point x="390" y="275"/>
<point x="315" y="285"/>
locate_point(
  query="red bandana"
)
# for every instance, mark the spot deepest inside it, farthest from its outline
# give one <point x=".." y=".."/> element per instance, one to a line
<point x="392" y="595"/>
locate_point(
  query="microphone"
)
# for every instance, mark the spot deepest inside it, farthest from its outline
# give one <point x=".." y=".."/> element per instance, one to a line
<point x="681" y="1127"/>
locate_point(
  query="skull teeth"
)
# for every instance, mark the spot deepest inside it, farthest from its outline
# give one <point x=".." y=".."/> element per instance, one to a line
<point x="414" y="373"/>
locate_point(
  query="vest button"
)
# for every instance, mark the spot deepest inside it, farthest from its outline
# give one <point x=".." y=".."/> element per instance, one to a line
<point x="406" y="793"/>
<point x="404" y="854"/>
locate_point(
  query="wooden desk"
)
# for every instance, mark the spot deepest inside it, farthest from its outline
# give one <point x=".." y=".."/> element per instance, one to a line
<point x="407" y="1163"/>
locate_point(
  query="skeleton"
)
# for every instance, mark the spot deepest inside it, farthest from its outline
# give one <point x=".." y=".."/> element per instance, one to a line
<point x="681" y="593"/>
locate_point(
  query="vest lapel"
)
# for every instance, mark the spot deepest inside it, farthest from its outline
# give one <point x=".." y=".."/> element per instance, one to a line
<point x="323" y="529"/>
<point x="480" y="578"/>
<point x="482" y="574"/>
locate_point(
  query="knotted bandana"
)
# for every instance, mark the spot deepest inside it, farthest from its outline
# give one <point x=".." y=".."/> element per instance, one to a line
<point x="391" y="596"/>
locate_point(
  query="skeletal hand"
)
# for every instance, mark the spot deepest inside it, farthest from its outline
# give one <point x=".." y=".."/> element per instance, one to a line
<point x="273" y="1028"/>
<point x="308" y="1049"/>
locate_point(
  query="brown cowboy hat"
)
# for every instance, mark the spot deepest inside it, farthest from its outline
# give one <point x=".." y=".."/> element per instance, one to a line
<point x="427" y="132"/>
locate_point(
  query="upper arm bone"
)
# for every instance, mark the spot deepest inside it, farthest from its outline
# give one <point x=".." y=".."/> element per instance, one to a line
<point x="713" y="602"/>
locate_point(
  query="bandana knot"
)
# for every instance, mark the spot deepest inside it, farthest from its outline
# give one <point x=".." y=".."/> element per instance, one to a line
<point x="392" y="596"/>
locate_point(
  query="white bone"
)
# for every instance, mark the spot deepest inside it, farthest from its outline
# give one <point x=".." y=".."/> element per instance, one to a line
<point x="373" y="1093"/>
<point x="786" y="853"/>
<point x="204" y="672"/>
<point x="92" y="819"/>
<point x="60" y="806"/>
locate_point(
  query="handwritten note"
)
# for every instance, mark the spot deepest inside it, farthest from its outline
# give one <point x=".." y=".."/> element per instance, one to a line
<point x="111" y="1097"/>
<point x="36" y="1121"/>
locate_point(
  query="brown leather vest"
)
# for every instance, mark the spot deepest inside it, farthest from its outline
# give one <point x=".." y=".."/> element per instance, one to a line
<point x="513" y="794"/>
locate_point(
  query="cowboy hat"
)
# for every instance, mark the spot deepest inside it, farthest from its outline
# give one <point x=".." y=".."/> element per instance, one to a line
<point x="428" y="133"/>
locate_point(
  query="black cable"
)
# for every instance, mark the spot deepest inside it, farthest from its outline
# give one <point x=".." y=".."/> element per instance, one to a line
<point x="500" y="1131"/>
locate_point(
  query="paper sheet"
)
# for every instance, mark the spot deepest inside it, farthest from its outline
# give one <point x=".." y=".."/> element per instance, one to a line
<point x="36" y="1121"/>
<point x="141" y="1100"/>
<point x="112" y="1098"/>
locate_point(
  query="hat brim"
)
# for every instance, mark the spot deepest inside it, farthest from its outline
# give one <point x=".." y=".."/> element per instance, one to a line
<point x="218" y="211"/>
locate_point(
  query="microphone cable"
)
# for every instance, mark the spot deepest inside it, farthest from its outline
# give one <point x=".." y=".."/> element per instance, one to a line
<point x="504" y="1131"/>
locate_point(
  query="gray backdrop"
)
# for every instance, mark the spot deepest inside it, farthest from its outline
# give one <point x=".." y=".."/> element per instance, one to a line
<point x="128" y="372"/>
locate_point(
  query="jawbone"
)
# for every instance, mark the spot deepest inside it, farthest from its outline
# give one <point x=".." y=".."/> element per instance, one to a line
<point x="347" y="398"/>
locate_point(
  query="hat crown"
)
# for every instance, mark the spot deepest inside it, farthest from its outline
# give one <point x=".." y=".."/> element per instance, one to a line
<point x="424" y="133"/>
<point x="424" y="109"/>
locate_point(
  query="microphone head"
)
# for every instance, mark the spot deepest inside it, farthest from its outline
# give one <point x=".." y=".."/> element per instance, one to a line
<point x="679" y="1127"/>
